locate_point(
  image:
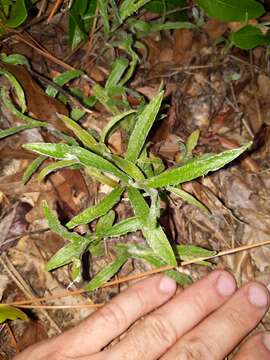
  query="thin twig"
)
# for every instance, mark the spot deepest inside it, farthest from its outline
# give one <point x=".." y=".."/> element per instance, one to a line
<point x="17" y="237"/>
<point x="56" y="6"/>
<point x="57" y="307"/>
<point x="44" y="53"/>
<point x="147" y="273"/>
<point x="71" y="98"/>
<point x="20" y="282"/>
<point x="12" y="337"/>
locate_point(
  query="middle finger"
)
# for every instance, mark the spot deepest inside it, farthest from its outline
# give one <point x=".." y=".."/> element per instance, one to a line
<point x="160" y="330"/>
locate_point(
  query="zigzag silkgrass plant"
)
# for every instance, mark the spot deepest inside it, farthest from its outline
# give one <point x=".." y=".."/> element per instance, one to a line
<point x="135" y="176"/>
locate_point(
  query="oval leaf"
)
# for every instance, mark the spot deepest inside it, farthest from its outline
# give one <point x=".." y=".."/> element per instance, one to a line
<point x="18" y="14"/>
<point x="249" y="37"/>
<point x="232" y="10"/>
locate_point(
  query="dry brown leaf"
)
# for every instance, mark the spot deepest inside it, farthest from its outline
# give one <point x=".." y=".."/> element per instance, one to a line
<point x="183" y="43"/>
<point x="264" y="87"/>
<point x="236" y="25"/>
<point x="215" y="28"/>
<point x="4" y="280"/>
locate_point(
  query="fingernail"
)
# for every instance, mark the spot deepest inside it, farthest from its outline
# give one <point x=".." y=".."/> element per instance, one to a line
<point x="257" y="295"/>
<point x="225" y="285"/>
<point x="266" y="340"/>
<point x="167" y="285"/>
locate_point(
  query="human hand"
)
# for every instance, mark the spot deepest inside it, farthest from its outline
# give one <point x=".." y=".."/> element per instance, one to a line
<point x="205" y="321"/>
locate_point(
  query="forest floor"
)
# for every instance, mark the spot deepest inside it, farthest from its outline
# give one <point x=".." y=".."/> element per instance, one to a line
<point x="223" y="94"/>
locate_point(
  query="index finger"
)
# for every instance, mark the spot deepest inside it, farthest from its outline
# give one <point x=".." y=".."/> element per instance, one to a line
<point x="115" y="317"/>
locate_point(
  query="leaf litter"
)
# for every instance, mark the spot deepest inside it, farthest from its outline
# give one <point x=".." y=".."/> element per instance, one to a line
<point x="198" y="95"/>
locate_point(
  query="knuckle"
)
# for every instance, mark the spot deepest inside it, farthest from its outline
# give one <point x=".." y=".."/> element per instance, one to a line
<point x="139" y="298"/>
<point x="194" y="349"/>
<point x="236" y="319"/>
<point x="161" y="330"/>
<point x="200" y="306"/>
<point x="113" y="313"/>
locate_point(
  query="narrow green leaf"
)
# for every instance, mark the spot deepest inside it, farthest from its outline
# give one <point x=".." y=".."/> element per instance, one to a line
<point x="105" y="223"/>
<point x="139" y="205"/>
<point x="58" y="228"/>
<point x="188" y="198"/>
<point x="128" y="7"/>
<point x="139" y="251"/>
<point x="103" y="179"/>
<point x="77" y="113"/>
<point x="192" y="141"/>
<point x="189" y="252"/>
<point x="195" y="168"/>
<point x="85" y="157"/>
<point x="9" y="105"/>
<point x="104" y="99"/>
<point x="32" y="168"/>
<point x="170" y="25"/>
<point x="17" y="88"/>
<point x="98" y="210"/>
<point x="15" y="59"/>
<point x="145" y="163"/>
<point x="128" y="167"/>
<point x="83" y="135"/>
<point x="68" y="254"/>
<point x="123" y="227"/>
<point x="249" y="37"/>
<point x="112" y="124"/>
<point x="106" y="273"/>
<point x="54" y="167"/>
<point x="14" y="130"/>
<point x="11" y="313"/>
<point x="63" y="79"/>
<point x="143" y="27"/>
<point x="142" y="127"/>
<point x="158" y="241"/>
<point x="156" y="237"/>
<point x="76" y="270"/>
<point x="98" y="249"/>
<point x="118" y="69"/>
<point x="76" y="30"/>
<point x="157" y="164"/>
<point x="232" y="10"/>
<point x="89" y="15"/>
<point x="103" y="9"/>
